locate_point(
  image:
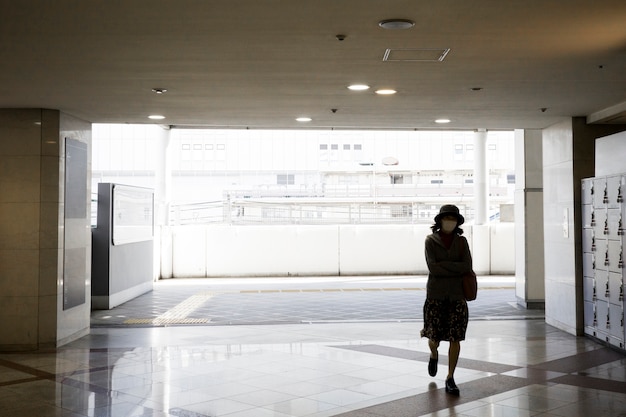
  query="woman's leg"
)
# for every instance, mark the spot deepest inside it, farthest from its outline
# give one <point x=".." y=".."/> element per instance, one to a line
<point x="434" y="357"/>
<point x="453" y="357"/>
<point x="433" y="345"/>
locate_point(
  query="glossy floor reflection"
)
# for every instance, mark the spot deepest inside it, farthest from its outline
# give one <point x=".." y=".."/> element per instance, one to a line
<point x="508" y="368"/>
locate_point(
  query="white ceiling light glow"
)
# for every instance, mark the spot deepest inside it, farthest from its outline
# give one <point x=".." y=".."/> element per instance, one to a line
<point x="303" y="119"/>
<point x="358" y="87"/>
<point x="156" y="117"/>
<point x="442" y="121"/>
<point x="386" y="92"/>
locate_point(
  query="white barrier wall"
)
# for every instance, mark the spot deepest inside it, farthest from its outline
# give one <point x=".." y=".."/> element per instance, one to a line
<point x="271" y="250"/>
<point x="502" y="249"/>
<point x="291" y="250"/>
<point x="381" y="249"/>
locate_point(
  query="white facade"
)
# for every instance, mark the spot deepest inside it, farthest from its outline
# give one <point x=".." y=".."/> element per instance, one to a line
<point x="328" y="202"/>
<point x="209" y="165"/>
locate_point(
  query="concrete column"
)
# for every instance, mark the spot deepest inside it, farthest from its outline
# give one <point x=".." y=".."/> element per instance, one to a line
<point x="529" y="255"/>
<point x="163" y="178"/>
<point x="480" y="177"/>
<point x="163" y="267"/>
<point x="480" y="231"/>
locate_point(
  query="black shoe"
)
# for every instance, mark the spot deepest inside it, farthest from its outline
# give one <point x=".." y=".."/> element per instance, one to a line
<point x="432" y="367"/>
<point x="451" y="387"/>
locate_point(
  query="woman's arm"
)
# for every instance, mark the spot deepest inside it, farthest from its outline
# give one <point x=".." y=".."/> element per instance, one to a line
<point x="455" y="265"/>
<point x="437" y="266"/>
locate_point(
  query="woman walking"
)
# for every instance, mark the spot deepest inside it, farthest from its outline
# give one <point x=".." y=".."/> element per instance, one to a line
<point x="445" y="310"/>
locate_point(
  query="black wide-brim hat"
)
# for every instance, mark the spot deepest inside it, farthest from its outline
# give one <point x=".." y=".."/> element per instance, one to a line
<point x="450" y="210"/>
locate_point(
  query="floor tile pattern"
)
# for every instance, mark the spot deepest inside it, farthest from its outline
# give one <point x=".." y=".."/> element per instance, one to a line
<point x="291" y="301"/>
<point x="509" y="366"/>
<point x="502" y="378"/>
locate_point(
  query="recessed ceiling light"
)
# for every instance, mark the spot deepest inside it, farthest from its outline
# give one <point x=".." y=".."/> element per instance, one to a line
<point x="159" y="90"/>
<point x="386" y="91"/>
<point x="156" y="117"/>
<point x="442" y="121"/>
<point x="304" y="119"/>
<point x="358" y="87"/>
<point x="396" y="24"/>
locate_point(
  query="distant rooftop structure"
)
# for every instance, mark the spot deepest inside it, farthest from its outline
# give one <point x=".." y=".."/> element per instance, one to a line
<point x="305" y="176"/>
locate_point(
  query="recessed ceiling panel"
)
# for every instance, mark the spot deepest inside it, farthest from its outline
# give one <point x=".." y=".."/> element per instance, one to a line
<point x="416" y="55"/>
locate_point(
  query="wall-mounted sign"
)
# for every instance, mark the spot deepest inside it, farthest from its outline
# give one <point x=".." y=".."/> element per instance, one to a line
<point x="133" y="214"/>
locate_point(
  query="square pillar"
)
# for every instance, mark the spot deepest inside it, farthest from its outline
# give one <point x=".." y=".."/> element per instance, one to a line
<point x="529" y="254"/>
<point x="32" y="232"/>
<point x="568" y="157"/>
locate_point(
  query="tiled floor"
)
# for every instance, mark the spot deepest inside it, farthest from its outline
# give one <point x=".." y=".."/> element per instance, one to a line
<point x="299" y="300"/>
<point x="515" y="365"/>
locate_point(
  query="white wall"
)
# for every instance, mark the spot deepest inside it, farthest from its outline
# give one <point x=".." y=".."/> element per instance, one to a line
<point x="558" y="207"/>
<point x="288" y="250"/>
<point x="568" y="157"/>
<point x="606" y="149"/>
<point x="529" y="274"/>
<point x="502" y="249"/>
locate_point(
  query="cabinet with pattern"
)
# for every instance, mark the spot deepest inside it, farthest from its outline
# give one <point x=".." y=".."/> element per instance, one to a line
<point x="603" y="241"/>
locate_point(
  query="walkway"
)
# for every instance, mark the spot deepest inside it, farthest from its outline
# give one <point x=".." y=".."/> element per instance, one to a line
<point x="347" y="362"/>
<point x="300" y="300"/>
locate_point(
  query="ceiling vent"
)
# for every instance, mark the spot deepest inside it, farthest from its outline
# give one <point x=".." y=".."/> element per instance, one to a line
<point x="416" y="55"/>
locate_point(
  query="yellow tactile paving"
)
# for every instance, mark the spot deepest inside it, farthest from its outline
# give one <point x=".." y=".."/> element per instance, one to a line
<point x="321" y="290"/>
<point x="178" y="314"/>
<point x="161" y="322"/>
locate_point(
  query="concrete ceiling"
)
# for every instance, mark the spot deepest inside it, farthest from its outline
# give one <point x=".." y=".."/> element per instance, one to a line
<point x="262" y="63"/>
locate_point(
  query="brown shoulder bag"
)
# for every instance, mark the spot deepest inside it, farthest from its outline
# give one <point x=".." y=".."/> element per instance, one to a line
<point x="470" y="285"/>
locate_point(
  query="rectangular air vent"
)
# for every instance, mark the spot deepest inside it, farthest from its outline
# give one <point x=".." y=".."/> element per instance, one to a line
<point x="415" y="55"/>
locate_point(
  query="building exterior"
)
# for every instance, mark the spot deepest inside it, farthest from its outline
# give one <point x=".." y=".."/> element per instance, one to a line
<point x="223" y="175"/>
<point x="550" y="164"/>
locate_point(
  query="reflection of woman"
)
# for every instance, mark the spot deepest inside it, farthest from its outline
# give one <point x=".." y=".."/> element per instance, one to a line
<point x="445" y="309"/>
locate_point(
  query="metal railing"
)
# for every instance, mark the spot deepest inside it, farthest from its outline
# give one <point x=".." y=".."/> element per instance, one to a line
<point x="259" y="212"/>
<point x="334" y="204"/>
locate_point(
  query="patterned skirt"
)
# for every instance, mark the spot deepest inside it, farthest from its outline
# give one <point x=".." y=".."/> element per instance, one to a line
<point x="445" y="320"/>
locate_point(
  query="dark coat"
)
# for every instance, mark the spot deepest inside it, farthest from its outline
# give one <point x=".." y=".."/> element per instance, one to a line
<point x="446" y="266"/>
